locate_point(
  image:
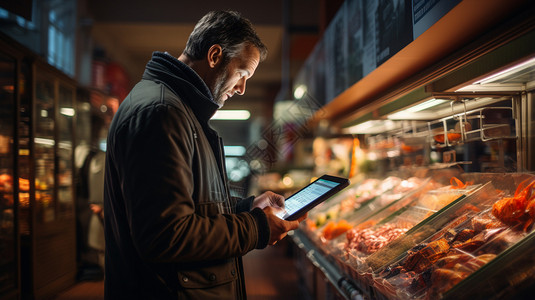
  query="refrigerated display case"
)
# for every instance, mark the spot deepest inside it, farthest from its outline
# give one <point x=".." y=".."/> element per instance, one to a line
<point x="9" y="242"/>
<point x="38" y="248"/>
<point x="454" y="244"/>
<point x="471" y="112"/>
<point x="46" y="138"/>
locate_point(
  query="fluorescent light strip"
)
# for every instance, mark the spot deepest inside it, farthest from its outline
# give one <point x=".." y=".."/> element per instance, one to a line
<point x="507" y="72"/>
<point x="234" y="150"/>
<point x="372" y="127"/>
<point x="44" y="141"/>
<point x="67" y="111"/>
<point x="425" y="105"/>
<point x="230" y="114"/>
<point x="409" y="113"/>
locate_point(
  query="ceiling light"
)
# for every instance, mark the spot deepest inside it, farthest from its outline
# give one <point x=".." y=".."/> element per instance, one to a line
<point x="408" y="114"/>
<point x="67" y="111"/>
<point x="372" y="127"/>
<point x="85" y="106"/>
<point x="300" y="91"/>
<point x="507" y="72"/>
<point x="234" y="150"/>
<point x="427" y="104"/>
<point x="44" y="141"/>
<point x="230" y="114"/>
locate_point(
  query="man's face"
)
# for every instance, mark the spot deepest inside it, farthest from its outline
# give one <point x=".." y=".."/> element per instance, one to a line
<point x="230" y="79"/>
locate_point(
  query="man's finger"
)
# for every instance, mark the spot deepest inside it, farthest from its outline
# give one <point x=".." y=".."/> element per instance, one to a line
<point x="278" y="200"/>
<point x="302" y="217"/>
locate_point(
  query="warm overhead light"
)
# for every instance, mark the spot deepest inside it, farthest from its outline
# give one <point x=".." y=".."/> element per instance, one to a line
<point x="85" y="106"/>
<point x="300" y="91"/>
<point x="409" y="112"/>
<point x="507" y="72"/>
<point x="67" y="111"/>
<point x="65" y="145"/>
<point x="427" y="104"/>
<point x="234" y="150"/>
<point x="230" y="114"/>
<point x="372" y="127"/>
<point x="44" y="141"/>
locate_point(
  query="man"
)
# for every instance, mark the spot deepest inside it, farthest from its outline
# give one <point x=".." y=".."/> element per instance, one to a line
<point x="172" y="229"/>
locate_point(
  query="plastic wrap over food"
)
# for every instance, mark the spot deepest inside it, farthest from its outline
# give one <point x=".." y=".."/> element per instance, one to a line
<point x="431" y="268"/>
<point x="368" y="237"/>
<point x="357" y="203"/>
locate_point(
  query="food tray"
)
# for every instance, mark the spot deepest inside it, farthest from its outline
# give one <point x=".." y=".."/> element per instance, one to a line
<point x="511" y="275"/>
<point x="345" y="202"/>
<point x="425" y="228"/>
<point x="355" y="259"/>
<point x="391" y="186"/>
<point x="468" y="241"/>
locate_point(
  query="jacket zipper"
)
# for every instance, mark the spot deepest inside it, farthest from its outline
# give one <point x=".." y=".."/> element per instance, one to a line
<point x="224" y="171"/>
<point x="239" y="288"/>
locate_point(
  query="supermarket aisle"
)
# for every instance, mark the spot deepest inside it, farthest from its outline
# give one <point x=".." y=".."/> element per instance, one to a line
<point x="270" y="274"/>
<point x="86" y="290"/>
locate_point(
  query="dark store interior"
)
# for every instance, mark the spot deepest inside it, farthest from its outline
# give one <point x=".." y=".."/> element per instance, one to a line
<point x="405" y="129"/>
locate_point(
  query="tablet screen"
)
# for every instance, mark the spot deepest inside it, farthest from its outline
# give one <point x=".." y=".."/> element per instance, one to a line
<point x="307" y="195"/>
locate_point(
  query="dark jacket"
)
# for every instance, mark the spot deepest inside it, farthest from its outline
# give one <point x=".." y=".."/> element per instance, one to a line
<point x="172" y="229"/>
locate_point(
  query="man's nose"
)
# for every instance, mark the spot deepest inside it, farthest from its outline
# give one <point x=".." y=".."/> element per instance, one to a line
<point x="240" y="86"/>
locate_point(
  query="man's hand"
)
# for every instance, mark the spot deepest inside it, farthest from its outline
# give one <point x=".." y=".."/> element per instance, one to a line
<point x="279" y="227"/>
<point x="97" y="210"/>
<point x="268" y="199"/>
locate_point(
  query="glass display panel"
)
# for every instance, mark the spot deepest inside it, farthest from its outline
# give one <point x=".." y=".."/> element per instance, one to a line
<point x="65" y="152"/>
<point x="478" y="231"/>
<point x="44" y="150"/>
<point x="24" y="161"/>
<point x="8" y="256"/>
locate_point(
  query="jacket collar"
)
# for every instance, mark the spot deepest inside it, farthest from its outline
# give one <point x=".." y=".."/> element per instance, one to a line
<point x="184" y="82"/>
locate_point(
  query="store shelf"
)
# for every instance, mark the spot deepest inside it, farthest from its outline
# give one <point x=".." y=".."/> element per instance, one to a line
<point x="482" y="124"/>
<point x="360" y="275"/>
<point x="344" y="285"/>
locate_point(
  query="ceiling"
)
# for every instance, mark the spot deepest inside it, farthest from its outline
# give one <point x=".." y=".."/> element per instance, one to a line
<point x="130" y="30"/>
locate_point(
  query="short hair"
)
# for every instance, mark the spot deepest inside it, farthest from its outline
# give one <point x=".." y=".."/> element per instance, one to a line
<point x="228" y="29"/>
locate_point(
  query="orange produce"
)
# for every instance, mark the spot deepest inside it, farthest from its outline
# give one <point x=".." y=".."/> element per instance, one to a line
<point x="311" y="225"/>
<point x="6" y="182"/>
<point x="333" y="230"/>
<point x="519" y="209"/>
<point x="24" y="184"/>
<point x="439" y="138"/>
<point x="458" y="184"/>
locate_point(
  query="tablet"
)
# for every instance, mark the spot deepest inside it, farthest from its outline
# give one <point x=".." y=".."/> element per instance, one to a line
<point x="311" y="195"/>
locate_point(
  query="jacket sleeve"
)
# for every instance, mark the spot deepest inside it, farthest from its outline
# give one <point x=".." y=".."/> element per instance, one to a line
<point x="244" y="205"/>
<point x="158" y="188"/>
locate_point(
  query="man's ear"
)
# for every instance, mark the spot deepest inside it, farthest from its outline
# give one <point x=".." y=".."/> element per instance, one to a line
<point x="215" y="55"/>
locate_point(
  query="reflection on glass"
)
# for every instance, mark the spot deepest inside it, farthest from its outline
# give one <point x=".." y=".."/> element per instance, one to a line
<point x="24" y="150"/>
<point x="44" y="150"/>
<point x="8" y="266"/>
<point x="65" y="151"/>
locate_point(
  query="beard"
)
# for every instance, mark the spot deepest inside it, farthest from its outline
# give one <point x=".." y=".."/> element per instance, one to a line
<point x="218" y="88"/>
